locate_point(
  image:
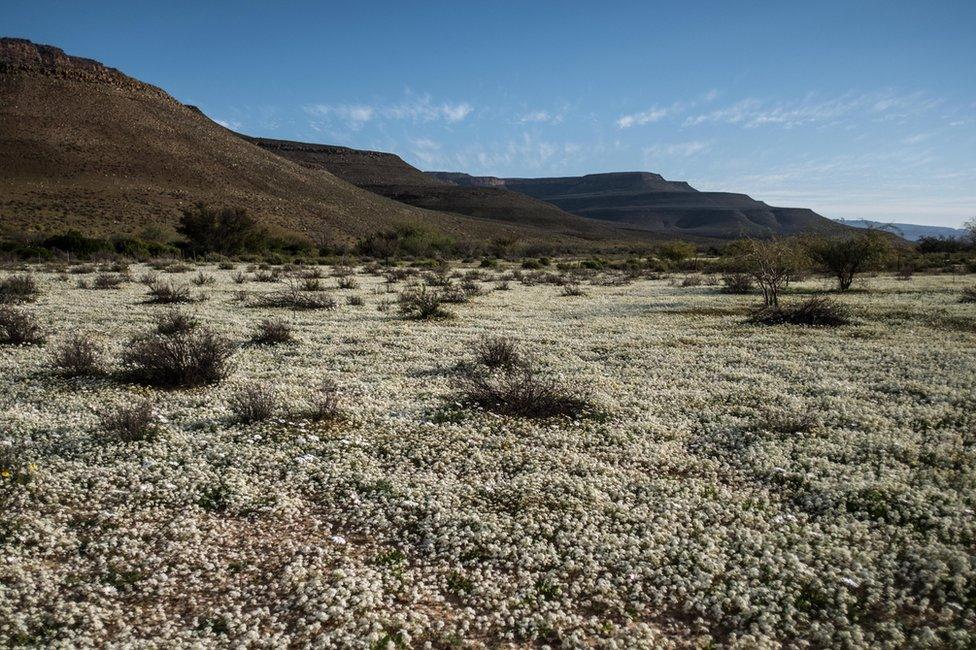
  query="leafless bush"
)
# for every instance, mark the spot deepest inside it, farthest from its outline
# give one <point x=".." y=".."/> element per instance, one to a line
<point x="326" y="404"/>
<point x="164" y="293"/>
<point x="691" y="281"/>
<point x="239" y="277"/>
<point x="355" y="301"/>
<point x="348" y="282"/>
<point x="132" y="423"/>
<point x="178" y="267"/>
<point x="453" y="294"/>
<point x="520" y="392"/>
<point x="272" y="331"/>
<point x="737" y="283"/>
<point x="78" y="356"/>
<point x="497" y="352"/>
<point x="572" y="290"/>
<point x="175" y="322"/>
<point x="108" y="281"/>
<point x="813" y="312"/>
<point x="502" y="286"/>
<point x="267" y="276"/>
<point x="184" y="360"/>
<point x="202" y="279"/>
<point x="968" y="295"/>
<point x="422" y="304"/>
<point x="18" y="288"/>
<point x="254" y="403"/>
<point x="294" y="298"/>
<point x="19" y="327"/>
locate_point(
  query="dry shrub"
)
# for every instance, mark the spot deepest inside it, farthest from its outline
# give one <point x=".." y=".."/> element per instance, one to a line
<point x="813" y="312"/>
<point x="968" y="295"/>
<point x="272" y="331"/>
<point x="356" y="301"/>
<point x="106" y="281"/>
<point x="296" y="299"/>
<point x="502" y="286"/>
<point x="175" y="322"/>
<point x="78" y="356"/>
<point x="422" y="304"/>
<point x="267" y="276"/>
<point x="239" y="278"/>
<point x="18" y="288"/>
<point x="348" y="282"/>
<point x="497" y="352"/>
<point x="691" y="281"/>
<point x="520" y="391"/>
<point x="572" y="290"/>
<point x="202" y="279"/>
<point x="19" y="327"/>
<point x="165" y="293"/>
<point x="183" y="360"/>
<point x="454" y="294"/>
<point x="132" y="423"/>
<point x="311" y="284"/>
<point x="326" y="404"/>
<point x="737" y="283"/>
<point x="253" y="403"/>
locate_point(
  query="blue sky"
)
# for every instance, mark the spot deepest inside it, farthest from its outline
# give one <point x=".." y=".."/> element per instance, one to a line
<point x="853" y="108"/>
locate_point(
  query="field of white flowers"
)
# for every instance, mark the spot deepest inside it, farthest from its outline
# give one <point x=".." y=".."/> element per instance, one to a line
<point x="739" y="485"/>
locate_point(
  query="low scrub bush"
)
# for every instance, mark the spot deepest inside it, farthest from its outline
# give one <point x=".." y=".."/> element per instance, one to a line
<point x="311" y="284"/>
<point x="968" y="295"/>
<point x="254" y="403"/>
<point x="572" y="290"/>
<point x="165" y="293"/>
<point x="355" y="301"/>
<point x="813" y="312"/>
<point x="326" y="404"/>
<point x="348" y="282"/>
<point x="106" y="281"/>
<point x="422" y="304"/>
<point x="272" y="331"/>
<point x="78" y="356"/>
<point x="737" y="283"/>
<point x="202" y="279"/>
<point x="497" y="352"/>
<point x="19" y="327"/>
<point x="132" y="423"/>
<point x="184" y="360"/>
<point x="520" y="391"/>
<point x="175" y="323"/>
<point x="18" y="288"/>
<point x="296" y="299"/>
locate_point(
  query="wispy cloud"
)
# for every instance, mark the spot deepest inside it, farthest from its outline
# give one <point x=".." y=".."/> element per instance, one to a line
<point x="676" y="149"/>
<point x="813" y="109"/>
<point x="414" y="108"/>
<point x="541" y="117"/>
<point x="233" y="125"/>
<point x="653" y="114"/>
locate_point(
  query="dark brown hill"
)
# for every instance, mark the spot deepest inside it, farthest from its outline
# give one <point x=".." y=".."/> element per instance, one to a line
<point x="667" y="208"/>
<point x="389" y="175"/>
<point x="84" y="146"/>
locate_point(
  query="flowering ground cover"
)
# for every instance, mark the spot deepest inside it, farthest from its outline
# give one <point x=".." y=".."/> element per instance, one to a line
<point x="733" y="484"/>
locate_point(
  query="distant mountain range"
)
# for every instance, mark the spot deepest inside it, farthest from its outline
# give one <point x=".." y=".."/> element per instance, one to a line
<point x="909" y="231"/>
<point x="84" y="146"/>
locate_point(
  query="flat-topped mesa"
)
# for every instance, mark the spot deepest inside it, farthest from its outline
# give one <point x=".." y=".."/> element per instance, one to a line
<point x="21" y="56"/>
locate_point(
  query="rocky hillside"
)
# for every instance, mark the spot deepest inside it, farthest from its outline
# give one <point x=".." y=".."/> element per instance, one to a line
<point x="649" y="202"/>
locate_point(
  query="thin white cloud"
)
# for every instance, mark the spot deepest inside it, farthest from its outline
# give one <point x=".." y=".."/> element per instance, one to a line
<point x="416" y="109"/>
<point x="676" y="149"/>
<point x="233" y="125"/>
<point x="653" y="114"/>
<point x="541" y="117"/>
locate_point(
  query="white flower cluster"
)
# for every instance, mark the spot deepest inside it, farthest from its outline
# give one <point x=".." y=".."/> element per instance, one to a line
<point x="742" y="486"/>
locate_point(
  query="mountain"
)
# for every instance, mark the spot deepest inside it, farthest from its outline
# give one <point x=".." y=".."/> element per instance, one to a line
<point x="389" y="175"/>
<point x="85" y="146"/>
<point x="646" y="201"/>
<point x="909" y="231"/>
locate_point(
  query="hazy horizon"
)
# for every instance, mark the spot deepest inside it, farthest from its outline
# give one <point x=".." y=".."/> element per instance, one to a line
<point x="858" y="112"/>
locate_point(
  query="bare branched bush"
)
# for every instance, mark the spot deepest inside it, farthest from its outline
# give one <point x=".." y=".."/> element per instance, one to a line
<point x="497" y="352"/>
<point x="348" y="282"/>
<point x="422" y="304"/>
<point x="175" y="322"/>
<point x="572" y="290"/>
<point x="253" y="403"/>
<point x="355" y="301"/>
<point x="968" y="295"/>
<point x="105" y="281"/>
<point x="816" y="311"/>
<point x="19" y="327"/>
<point x="183" y="360"/>
<point x="325" y="403"/>
<point x="691" y="281"/>
<point x="521" y="392"/>
<point x="267" y="276"/>
<point x="453" y="294"/>
<point x="272" y="331"/>
<point x="502" y="286"/>
<point x="165" y="293"/>
<point x="737" y="283"/>
<point x="296" y="299"/>
<point x="18" y="288"/>
<point x="239" y="277"/>
<point x="202" y="279"/>
<point x="78" y="356"/>
<point x="132" y="423"/>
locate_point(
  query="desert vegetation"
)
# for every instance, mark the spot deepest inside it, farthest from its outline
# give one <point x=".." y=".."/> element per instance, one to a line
<point x="587" y="452"/>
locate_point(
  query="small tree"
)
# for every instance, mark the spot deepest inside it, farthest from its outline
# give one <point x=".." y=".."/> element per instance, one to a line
<point x="772" y="263"/>
<point x="676" y="251"/>
<point x="228" y="230"/>
<point x="844" y="257"/>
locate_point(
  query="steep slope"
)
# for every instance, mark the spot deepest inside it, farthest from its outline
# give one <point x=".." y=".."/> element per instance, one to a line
<point x="390" y="176"/>
<point x="85" y="146"/>
<point x="649" y="202"/>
